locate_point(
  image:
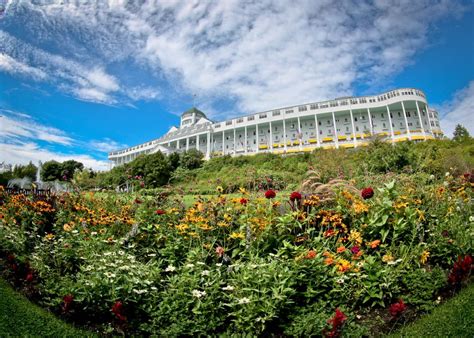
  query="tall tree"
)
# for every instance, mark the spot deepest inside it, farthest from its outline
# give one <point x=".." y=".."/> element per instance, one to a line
<point x="460" y="133"/>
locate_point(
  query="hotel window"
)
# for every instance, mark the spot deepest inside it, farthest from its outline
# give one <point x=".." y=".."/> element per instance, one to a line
<point x="399" y="114"/>
<point x="302" y="108"/>
<point x="363" y="117"/>
<point x="276" y="113"/>
<point x="357" y="128"/>
<point x="262" y="116"/>
<point x="319" y="122"/>
<point x="381" y="115"/>
<point x="250" y="118"/>
<point x="313" y="106"/>
<point x="408" y="114"/>
<point x="355" y="119"/>
<point x="384" y="125"/>
<point x="289" y="111"/>
<point x="347" y="128"/>
<point x="254" y="133"/>
<point x="320" y="132"/>
<point x="329" y="122"/>
<point x="401" y="124"/>
<point x="391" y="116"/>
<point x="345" y="120"/>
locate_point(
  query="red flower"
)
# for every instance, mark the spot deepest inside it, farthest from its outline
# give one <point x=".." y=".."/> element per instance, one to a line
<point x="336" y="322"/>
<point x="220" y="251"/>
<point x="243" y="201"/>
<point x="138" y="201"/>
<point x="160" y="212"/>
<point x="397" y="309"/>
<point x="117" y="309"/>
<point x="295" y="196"/>
<point x="270" y="194"/>
<point x="142" y="184"/>
<point x="29" y="277"/>
<point x="67" y="301"/>
<point x="461" y="270"/>
<point x="355" y="249"/>
<point x="11" y="258"/>
<point x="367" y="193"/>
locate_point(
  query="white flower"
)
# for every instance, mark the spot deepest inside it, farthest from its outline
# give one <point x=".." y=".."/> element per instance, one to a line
<point x="340" y="281"/>
<point x="244" y="300"/>
<point x="394" y="262"/>
<point x="190" y="265"/>
<point x="74" y="231"/>
<point x="445" y="183"/>
<point x="170" y="268"/>
<point x="206" y="273"/>
<point x="471" y="218"/>
<point x="228" y="288"/>
<point x="139" y="292"/>
<point x="154" y="288"/>
<point x="201" y="263"/>
<point x="121" y="253"/>
<point x="93" y="233"/>
<point x="198" y="294"/>
<point x="432" y="177"/>
<point x="152" y="255"/>
<point x="447" y="174"/>
<point x="219" y="264"/>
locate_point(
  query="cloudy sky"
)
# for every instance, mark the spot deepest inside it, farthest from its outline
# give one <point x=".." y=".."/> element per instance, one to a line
<point x="81" y="78"/>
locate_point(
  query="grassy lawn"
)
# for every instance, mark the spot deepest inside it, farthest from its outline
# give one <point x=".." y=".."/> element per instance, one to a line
<point x="20" y="318"/>
<point x="455" y="318"/>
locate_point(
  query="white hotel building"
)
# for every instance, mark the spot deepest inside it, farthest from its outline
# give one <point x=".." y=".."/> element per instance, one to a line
<point x="348" y="122"/>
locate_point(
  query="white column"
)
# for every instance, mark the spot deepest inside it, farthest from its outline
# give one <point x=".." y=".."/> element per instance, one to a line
<point x="335" y="130"/>
<point x="354" y="138"/>
<point x="235" y="141"/>
<point x="223" y="143"/>
<point x="421" y="121"/>
<point x="429" y="118"/>
<point x="406" y="121"/>
<point x="300" y="134"/>
<point x="317" y="129"/>
<point x="177" y="144"/>
<point x="258" y="138"/>
<point x="187" y="143"/>
<point x="245" y="141"/>
<point x="370" y="122"/>
<point x="271" y="137"/>
<point x="208" y="145"/>
<point x="284" y="133"/>
<point x="390" y="122"/>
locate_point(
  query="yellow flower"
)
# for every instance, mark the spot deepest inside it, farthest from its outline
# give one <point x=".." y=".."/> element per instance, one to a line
<point x="237" y="235"/>
<point x="343" y="265"/>
<point x="227" y="217"/>
<point x="355" y="236"/>
<point x="67" y="227"/>
<point x="220" y="189"/>
<point x="243" y="191"/>
<point x="360" y="207"/>
<point x="424" y="256"/>
<point x="49" y="236"/>
<point x="387" y="258"/>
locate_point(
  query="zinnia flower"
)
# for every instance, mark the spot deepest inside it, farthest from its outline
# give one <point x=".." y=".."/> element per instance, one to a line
<point x="243" y="201"/>
<point x="270" y="194"/>
<point x="295" y="196"/>
<point x="160" y="212"/>
<point x="220" y="251"/>
<point x="374" y="244"/>
<point x="367" y="193"/>
<point x="397" y="309"/>
<point x="311" y="254"/>
<point x="117" y="309"/>
<point x="355" y="249"/>
<point x="67" y="301"/>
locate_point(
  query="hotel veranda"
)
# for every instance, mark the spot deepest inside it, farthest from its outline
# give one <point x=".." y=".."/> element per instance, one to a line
<point x="347" y="122"/>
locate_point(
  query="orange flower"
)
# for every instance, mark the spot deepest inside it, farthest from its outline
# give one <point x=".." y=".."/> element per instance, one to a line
<point x="341" y="249"/>
<point x="328" y="261"/>
<point x="311" y="254"/>
<point x="343" y="265"/>
<point x="374" y="244"/>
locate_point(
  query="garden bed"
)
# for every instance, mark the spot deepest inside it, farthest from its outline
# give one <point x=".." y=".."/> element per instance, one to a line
<point x="335" y="260"/>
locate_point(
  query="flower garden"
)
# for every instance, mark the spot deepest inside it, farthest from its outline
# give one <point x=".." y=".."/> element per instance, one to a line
<point x="333" y="259"/>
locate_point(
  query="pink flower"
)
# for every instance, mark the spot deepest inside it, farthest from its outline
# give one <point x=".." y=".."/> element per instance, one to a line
<point x="220" y="251"/>
<point x="355" y="249"/>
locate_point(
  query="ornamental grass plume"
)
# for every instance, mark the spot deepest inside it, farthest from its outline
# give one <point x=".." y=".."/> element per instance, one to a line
<point x="269" y="194"/>
<point x="326" y="192"/>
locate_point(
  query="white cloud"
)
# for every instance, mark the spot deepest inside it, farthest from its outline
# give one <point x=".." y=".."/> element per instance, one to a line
<point x="106" y="145"/>
<point x="22" y="126"/>
<point x="260" y="54"/>
<point x="10" y="65"/>
<point x="19" y="142"/>
<point x="23" y="153"/>
<point x="459" y="111"/>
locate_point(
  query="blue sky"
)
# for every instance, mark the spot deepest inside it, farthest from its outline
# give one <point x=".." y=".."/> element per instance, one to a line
<point x="79" y="80"/>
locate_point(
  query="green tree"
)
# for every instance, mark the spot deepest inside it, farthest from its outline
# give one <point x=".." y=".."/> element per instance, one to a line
<point x="460" y="134"/>
<point x="68" y="168"/>
<point x="191" y="159"/>
<point x="51" y="171"/>
<point x="20" y="171"/>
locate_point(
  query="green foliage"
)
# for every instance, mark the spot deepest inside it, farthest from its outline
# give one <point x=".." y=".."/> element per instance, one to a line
<point x="460" y="133"/>
<point x="53" y="170"/>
